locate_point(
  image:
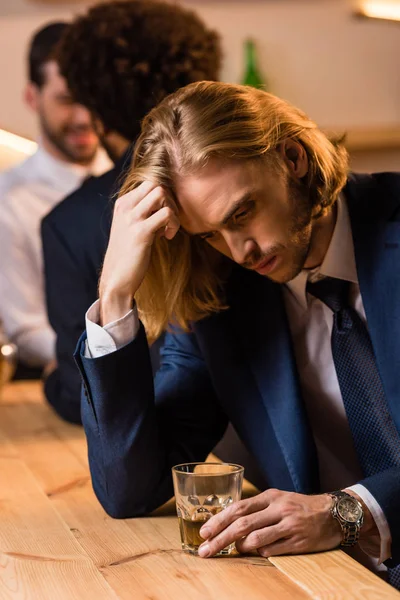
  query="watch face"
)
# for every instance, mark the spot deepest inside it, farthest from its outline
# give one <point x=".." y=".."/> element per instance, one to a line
<point x="349" y="509"/>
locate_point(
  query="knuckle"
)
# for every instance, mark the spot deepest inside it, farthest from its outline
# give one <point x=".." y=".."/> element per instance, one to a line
<point x="286" y="511"/>
<point x="287" y="508"/>
<point x="243" y="526"/>
<point x="158" y="191"/>
<point x="290" y="523"/>
<point x="254" y="540"/>
<point x="272" y="493"/>
<point x="168" y="211"/>
<point x="238" y="509"/>
<point x="156" y="195"/>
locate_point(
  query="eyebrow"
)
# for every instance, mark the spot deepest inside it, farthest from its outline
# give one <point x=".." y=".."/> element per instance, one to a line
<point x="228" y="216"/>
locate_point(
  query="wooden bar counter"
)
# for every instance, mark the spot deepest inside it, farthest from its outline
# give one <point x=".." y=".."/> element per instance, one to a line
<point x="57" y="543"/>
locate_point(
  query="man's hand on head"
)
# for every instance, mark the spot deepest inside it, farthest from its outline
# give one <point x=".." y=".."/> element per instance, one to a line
<point x="140" y="216"/>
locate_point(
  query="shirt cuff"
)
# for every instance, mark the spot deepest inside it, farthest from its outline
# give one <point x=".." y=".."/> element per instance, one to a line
<point x="113" y="336"/>
<point x="380" y="520"/>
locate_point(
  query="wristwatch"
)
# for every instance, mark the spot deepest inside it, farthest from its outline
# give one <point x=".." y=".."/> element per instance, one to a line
<point x="349" y="512"/>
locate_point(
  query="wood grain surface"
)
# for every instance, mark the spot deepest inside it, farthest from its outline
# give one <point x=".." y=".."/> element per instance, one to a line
<point x="57" y="543"/>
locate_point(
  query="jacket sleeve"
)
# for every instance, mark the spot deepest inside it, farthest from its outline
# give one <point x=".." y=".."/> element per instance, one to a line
<point x="67" y="300"/>
<point x="385" y="487"/>
<point x="137" y="431"/>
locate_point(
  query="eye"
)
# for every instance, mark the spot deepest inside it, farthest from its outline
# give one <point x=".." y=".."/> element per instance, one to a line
<point x="210" y="236"/>
<point x="241" y="215"/>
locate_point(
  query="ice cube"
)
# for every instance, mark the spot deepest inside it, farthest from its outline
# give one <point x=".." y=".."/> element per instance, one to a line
<point x="193" y="500"/>
<point x="226" y="502"/>
<point x="201" y="514"/>
<point x="214" y="501"/>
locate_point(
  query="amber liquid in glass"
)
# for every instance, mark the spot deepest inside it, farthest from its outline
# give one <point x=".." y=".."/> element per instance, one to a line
<point x="190" y="532"/>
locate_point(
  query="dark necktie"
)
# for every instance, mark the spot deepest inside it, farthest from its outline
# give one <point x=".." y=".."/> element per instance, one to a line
<point x="375" y="436"/>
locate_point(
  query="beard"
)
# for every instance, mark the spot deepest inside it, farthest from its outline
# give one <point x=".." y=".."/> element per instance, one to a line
<point x="83" y="154"/>
<point x="301" y="229"/>
<point x="296" y="250"/>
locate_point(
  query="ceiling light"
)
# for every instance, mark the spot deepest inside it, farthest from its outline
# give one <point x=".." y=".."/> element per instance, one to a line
<point x="16" y="142"/>
<point x="389" y="11"/>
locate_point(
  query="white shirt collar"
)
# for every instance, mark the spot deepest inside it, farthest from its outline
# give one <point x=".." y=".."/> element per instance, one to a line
<point x="339" y="261"/>
<point x="62" y="174"/>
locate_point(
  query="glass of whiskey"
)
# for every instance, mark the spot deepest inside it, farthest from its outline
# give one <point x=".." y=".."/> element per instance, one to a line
<point x="201" y="491"/>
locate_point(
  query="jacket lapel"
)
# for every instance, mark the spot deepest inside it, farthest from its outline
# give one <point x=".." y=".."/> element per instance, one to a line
<point x="263" y="331"/>
<point x="374" y="211"/>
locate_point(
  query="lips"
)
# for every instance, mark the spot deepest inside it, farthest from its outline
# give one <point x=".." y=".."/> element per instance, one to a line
<point x="81" y="137"/>
<point x="80" y="134"/>
<point x="266" y="265"/>
<point x="263" y="263"/>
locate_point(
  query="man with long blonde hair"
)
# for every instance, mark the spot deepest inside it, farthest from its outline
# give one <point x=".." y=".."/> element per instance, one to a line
<point x="276" y="272"/>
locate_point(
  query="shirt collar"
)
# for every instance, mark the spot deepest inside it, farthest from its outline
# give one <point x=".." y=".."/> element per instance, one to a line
<point x="63" y="175"/>
<point x="339" y="261"/>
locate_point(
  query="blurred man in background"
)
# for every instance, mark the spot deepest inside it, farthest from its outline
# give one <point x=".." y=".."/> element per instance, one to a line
<point x="67" y="154"/>
<point x="120" y="60"/>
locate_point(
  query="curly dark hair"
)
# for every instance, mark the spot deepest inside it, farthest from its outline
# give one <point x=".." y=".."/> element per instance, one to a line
<point x="122" y="58"/>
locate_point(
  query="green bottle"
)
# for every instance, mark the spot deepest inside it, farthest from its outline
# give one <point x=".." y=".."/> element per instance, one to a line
<point x="252" y="75"/>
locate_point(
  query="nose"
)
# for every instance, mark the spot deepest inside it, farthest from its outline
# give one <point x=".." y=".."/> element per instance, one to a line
<point x="81" y="116"/>
<point x="241" y="247"/>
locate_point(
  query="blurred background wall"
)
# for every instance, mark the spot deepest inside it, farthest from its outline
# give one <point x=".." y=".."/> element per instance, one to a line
<point x="341" y="70"/>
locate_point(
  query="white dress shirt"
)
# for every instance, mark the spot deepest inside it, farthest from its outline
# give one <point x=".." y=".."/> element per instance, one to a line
<point x="27" y="193"/>
<point x="310" y="322"/>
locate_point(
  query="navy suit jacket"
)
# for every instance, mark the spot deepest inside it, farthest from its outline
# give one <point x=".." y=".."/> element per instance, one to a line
<point x="75" y="237"/>
<point x="239" y="365"/>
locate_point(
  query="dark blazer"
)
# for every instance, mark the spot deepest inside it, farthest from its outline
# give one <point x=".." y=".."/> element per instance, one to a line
<point x="239" y="365"/>
<point x="75" y="237"/>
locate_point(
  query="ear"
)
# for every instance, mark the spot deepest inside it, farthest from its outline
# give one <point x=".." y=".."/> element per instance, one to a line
<point x="31" y="96"/>
<point x="295" y="157"/>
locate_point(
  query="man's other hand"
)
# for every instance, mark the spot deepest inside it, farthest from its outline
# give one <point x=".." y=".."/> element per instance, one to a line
<point x="274" y="523"/>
